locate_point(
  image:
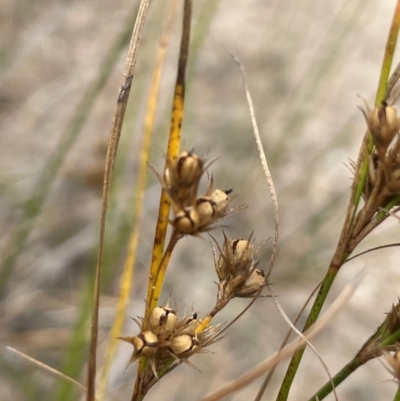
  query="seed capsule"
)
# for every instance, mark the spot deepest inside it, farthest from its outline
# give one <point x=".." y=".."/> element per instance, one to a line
<point x="187" y="169"/>
<point x="211" y="208"/>
<point x="162" y="319"/>
<point x="242" y="252"/>
<point x="238" y="254"/>
<point x="220" y="200"/>
<point x="383" y="124"/>
<point x="186" y="221"/>
<point x="250" y="287"/>
<point x="205" y="211"/>
<point x="184" y="344"/>
<point x="182" y="177"/>
<point x="146" y="344"/>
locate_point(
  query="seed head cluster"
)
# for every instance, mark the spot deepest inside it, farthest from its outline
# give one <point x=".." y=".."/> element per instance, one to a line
<point x="163" y="338"/>
<point x="169" y="337"/>
<point x="384" y="162"/>
<point x="194" y="214"/>
<point x="236" y="267"/>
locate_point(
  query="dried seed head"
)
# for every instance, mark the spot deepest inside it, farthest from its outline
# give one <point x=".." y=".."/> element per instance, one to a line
<point x="237" y="271"/>
<point x="205" y="211"/>
<point x="162" y="320"/>
<point x="393" y="180"/>
<point x="250" y="287"/>
<point x="242" y="252"/>
<point x="182" y="177"/>
<point x="393" y="319"/>
<point x="187" y="169"/>
<point x="144" y="344"/>
<point x="186" y="221"/>
<point x="237" y="255"/>
<point x="383" y="124"/>
<point x="187" y="325"/>
<point x="220" y="200"/>
<point x="184" y="345"/>
<point x="213" y="207"/>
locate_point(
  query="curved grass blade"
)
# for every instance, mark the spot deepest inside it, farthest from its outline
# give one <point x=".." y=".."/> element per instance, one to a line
<point x="272" y="361"/>
<point x="128" y="270"/>
<point x="45" y="367"/>
<point x="115" y="133"/>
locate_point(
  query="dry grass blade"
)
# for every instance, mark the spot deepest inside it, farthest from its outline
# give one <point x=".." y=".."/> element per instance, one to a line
<point x="300" y="334"/>
<point x="284" y="342"/>
<point x="268" y="364"/>
<point x="264" y="165"/>
<point x="42" y="365"/>
<point x="128" y="270"/>
<point x="115" y="133"/>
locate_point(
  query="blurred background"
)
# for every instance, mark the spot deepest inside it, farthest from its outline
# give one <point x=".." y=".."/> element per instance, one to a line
<point x="306" y="62"/>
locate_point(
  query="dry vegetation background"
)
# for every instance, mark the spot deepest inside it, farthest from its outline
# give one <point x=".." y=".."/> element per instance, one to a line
<point x="306" y="61"/>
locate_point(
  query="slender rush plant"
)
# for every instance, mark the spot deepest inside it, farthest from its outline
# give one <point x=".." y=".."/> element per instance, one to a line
<point x="375" y="180"/>
<point x="165" y="340"/>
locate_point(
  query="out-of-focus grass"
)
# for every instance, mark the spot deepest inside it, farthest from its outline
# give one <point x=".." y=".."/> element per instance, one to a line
<point x="305" y="63"/>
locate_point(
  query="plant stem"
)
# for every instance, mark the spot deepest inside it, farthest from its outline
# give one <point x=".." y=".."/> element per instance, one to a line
<point x="381" y="93"/>
<point x="312" y="317"/>
<point x="345" y="247"/>
<point x="342" y="375"/>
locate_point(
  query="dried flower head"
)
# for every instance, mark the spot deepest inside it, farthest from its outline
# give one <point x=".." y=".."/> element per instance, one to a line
<point x="393" y="319"/>
<point x="169" y="337"/>
<point x="183" y="346"/>
<point x="144" y="344"/>
<point x="186" y="221"/>
<point x="163" y="320"/>
<point x="236" y="267"/>
<point x="208" y="210"/>
<point x="251" y="286"/>
<point x="182" y="177"/>
<point x="213" y="207"/>
<point x="236" y="256"/>
<point x="383" y="124"/>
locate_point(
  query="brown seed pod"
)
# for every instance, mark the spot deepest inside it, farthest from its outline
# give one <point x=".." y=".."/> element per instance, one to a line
<point x="383" y="124"/>
<point x="212" y="207"/>
<point x="205" y="211"/>
<point x="187" y="325"/>
<point x="250" y="287"/>
<point x="237" y="254"/>
<point x="187" y="169"/>
<point x="220" y="201"/>
<point x="162" y="320"/>
<point x="182" y="177"/>
<point x="144" y="344"/>
<point x="186" y="221"/>
<point x="242" y="252"/>
<point x="184" y="345"/>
